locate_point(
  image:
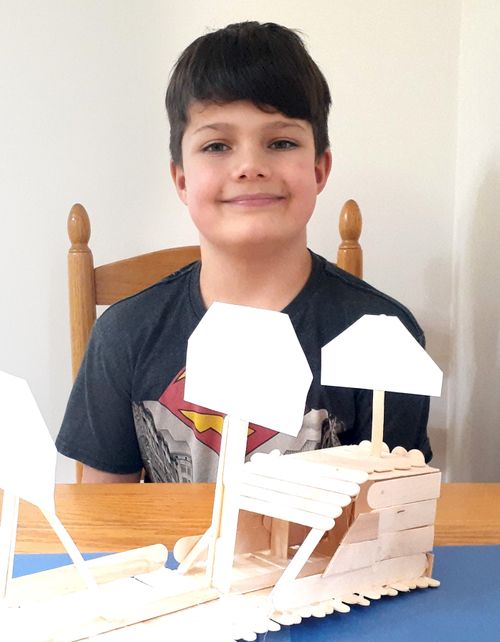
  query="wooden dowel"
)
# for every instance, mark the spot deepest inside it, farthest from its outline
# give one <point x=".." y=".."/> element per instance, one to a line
<point x="377" y="422"/>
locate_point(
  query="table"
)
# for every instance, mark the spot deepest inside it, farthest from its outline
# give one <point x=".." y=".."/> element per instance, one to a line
<point x="116" y="517"/>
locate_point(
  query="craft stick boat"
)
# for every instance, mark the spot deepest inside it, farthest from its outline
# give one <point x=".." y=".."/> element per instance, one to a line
<point x="292" y="536"/>
<point x="353" y="529"/>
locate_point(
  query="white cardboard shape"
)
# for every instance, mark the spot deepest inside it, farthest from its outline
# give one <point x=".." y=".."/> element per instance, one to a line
<point x="248" y="363"/>
<point x="27" y="451"/>
<point x="28" y="467"/>
<point x="377" y="352"/>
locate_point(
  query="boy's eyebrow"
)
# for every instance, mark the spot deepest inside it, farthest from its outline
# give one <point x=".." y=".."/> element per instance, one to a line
<point x="278" y="124"/>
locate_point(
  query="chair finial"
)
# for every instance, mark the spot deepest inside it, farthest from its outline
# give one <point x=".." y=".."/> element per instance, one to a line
<point x="349" y="253"/>
<point x="350" y="223"/>
<point x="78" y="227"/>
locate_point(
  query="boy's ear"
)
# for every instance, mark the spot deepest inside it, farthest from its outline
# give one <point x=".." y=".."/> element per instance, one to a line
<point x="322" y="169"/>
<point x="179" y="179"/>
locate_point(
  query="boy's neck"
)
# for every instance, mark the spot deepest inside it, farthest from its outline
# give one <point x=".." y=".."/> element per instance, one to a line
<point x="258" y="279"/>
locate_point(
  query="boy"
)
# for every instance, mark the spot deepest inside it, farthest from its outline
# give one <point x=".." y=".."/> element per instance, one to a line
<point x="248" y="112"/>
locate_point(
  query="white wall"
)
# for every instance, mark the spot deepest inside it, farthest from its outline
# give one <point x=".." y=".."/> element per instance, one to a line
<point x="82" y="119"/>
<point x="474" y="417"/>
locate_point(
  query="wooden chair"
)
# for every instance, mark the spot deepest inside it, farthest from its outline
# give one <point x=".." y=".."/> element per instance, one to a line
<point x="106" y="284"/>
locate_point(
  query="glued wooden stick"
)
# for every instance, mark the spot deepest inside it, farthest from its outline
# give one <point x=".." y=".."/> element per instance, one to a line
<point x="8" y="528"/>
<point x="233" y="459"/>
<point x="70" y="546"/>
<point x="279" y="538"/>
<point x="312" y="469"/>
<point x="404" y="490"/>
<point x="272" y="509"/>
<point x="299" y="559"/>
<point x="291" y="500"/>
<point x="184" y="545"/>
<point x="295" y="488"/>
<point x="377" y="422"/>
<point x="191" y="557"/>
<point x="218" y="498"/>
<point x="65" y="579"/>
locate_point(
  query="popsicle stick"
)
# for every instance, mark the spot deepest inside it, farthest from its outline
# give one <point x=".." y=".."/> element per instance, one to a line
<point x="224" y="534"/>
<point x="88" y="622"/>
<point x="65" y="579"/>
<point x="184" y="545"/>
<point x="404" y="490"/>
<point x="310" y="474"/>
<point x="317" y="463"/>
<point x="254" y="532"/>
<point x="217" y="507"/>
<point x="377" y="422"/>
<point x="279" y="538"/>
<point x="196" y="552"/>
<point x="295" y="488"/>
<point x="365" y="527"/>
<point x="401" y="517"/>
<point x="8" y="528"/>
<point x="293" y="501"/>
<point x="370" y="463"/>
<point x="350" y="557"/>
<point x="408" y="542"/>
<point x="71" y="548"/>
<point x="287" y="513"/>
<point x="299" y="559"/>
<point x="395" y="518"/>
<point x="316" y="588"/>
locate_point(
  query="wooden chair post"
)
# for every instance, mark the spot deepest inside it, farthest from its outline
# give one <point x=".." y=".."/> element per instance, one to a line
<point x="82" y="309"/>
<point x="349" y="254"/>
<point x="81" y="284"/>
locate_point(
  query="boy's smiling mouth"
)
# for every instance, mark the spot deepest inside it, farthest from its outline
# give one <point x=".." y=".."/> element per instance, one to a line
<point x="254" y="200"/>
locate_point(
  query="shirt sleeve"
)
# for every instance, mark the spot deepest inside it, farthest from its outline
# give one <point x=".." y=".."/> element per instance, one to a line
<point x="98" y="426"/>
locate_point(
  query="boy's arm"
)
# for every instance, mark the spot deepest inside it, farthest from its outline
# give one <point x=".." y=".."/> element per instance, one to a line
<point x="93" y="476"/>
<point x="98" y="427"/>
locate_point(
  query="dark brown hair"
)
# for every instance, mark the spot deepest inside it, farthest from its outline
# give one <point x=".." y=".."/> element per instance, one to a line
<point x="266" y="64"/>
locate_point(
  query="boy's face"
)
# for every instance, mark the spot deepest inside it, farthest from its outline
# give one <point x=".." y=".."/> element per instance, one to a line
<point x="249" y="178"/>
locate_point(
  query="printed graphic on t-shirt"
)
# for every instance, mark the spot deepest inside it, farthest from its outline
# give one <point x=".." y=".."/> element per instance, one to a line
<point x="180" y="441"/>
<point x="206" y="424"/>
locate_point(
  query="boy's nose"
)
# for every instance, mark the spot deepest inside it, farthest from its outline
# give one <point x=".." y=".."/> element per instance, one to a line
<point x="251" y="165"/>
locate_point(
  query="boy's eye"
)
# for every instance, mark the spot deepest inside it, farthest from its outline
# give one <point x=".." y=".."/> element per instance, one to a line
<point x="283" y="144"/>
<point x="215" y="147"/>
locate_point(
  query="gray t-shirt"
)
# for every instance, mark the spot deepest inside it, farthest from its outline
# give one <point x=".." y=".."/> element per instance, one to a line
<point x="127" y="410"/>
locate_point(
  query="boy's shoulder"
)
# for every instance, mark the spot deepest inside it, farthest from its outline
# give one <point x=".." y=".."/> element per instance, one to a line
<point x="177" y="291"/>
<point x="352" y="297"/>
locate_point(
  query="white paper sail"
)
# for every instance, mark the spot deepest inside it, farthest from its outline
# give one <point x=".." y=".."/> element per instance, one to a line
<point x="27" y="451"/>
<point x="377" y="352"/>
<point x="28" y="467"/>
<point x="248" y="363"/>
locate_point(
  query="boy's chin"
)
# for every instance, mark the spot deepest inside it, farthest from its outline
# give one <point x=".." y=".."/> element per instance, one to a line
<point x="255" y="245"/>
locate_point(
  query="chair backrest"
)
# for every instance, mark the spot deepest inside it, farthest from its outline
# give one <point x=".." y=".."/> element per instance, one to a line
<point x="106" y="284"/>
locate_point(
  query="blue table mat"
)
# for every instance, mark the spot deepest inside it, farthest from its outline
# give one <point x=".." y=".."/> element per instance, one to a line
<point x="465" y="608"/>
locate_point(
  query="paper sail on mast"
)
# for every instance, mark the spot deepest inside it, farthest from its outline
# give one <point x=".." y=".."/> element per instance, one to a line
<point x="27" y="451"/>
<point x="377" y="352"/>
<point x="248" y="363"/>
